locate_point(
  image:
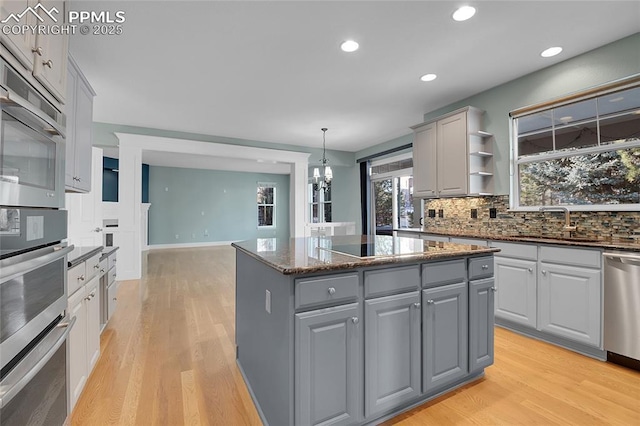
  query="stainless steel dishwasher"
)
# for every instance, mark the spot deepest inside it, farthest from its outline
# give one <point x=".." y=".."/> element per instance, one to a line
<point x="622" y="307"/>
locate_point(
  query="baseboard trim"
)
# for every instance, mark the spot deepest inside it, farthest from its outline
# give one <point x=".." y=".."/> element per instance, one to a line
<point x="571" y="345"/>
<point x="189" y="245"/>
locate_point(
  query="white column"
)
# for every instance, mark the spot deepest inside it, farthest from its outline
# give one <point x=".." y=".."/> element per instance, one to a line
<point x="298" y="205"/>
<point x="129" y="201"/>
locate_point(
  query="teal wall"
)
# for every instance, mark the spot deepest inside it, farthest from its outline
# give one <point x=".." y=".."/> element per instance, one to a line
<point x="221" y="202"/>
<point x="610" y="62"/>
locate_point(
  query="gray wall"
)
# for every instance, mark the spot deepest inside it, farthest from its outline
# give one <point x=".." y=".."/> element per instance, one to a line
<point x="228" y="200"/>
<point x="610" y="62"/>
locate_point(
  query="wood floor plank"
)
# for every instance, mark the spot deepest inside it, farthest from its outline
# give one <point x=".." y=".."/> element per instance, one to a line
<point x="168" y="358"/>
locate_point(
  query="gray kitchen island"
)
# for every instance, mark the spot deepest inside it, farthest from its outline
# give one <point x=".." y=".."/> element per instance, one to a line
<point x="356" y="329"/>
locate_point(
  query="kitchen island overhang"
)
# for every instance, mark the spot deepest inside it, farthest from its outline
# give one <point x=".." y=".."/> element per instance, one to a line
<point x="355" y="329"/>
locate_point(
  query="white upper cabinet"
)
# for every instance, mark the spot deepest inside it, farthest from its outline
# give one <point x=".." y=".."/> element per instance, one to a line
<point x="44" y="56"/>
<point x="20" y="45"/>
<point x="51" y="50"/>
<point x="452" y="157"/>
<point x="79" y="130"/>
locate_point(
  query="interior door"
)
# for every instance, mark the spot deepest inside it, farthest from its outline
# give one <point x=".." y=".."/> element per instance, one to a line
<point x="85" y="210"/>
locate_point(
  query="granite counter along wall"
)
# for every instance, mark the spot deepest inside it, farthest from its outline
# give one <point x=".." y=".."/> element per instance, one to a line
<point x="591" y="225"/>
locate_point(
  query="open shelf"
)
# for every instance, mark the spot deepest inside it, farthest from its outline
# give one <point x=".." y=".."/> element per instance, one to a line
<point x="481" y="174"/>
<point x="482" y="134"/>
<point x="481" y="154"/>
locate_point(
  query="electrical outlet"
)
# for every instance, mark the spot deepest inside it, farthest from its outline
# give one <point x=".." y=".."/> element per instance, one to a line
<point x="177" y="236"/>
<point x="493" y="212"/>
<point x="474" y="213"/>
<point x="432" y="213"/>
<point x="206" y="232"/>
<point x="440" y="213"/>
<point x="267" y="301"/>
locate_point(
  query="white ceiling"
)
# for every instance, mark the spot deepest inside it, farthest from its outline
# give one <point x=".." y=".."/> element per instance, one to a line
<point x="273" y="71"/>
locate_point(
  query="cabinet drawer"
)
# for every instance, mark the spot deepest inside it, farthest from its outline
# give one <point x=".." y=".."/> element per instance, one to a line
<point x="92" y="266"/>
<point x="112" y="275"/>
<point x="388" y="281"/>
<point x="112" y="260"/>
<point x="571" y="256"/>
<point x="76" y="278"/>
<point x="521" y="251"/>
<point x="326" y="290"/>
<point x="439" y="273"/>
<point x="470" y="241"/>
<point x="104" y="266"/>
<point x="481" y="267"/>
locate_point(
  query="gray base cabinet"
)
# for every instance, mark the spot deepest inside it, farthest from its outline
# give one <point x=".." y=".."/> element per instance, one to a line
<point x="392" y="351"/>
<point x="481" y="319"/>
<point x="517" y="290"/>
<point x="445" y="328"/>
<point x="354" y="346"/>
<point x="328" y="366"/>
<point x="570" y="302"/>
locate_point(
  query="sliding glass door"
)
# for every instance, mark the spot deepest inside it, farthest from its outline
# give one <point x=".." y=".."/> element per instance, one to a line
<point x="392" y="203"/>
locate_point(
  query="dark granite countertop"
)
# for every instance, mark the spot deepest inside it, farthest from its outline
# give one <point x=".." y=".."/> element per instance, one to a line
<point x="107" y="251"/>
<point x="316" y="254"/>
<point x="604" y="243"/>
<point x="80" y="254"/>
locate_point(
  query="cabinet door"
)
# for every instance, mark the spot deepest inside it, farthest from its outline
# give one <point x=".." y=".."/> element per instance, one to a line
<point x="19" y="45"/>
<point x="51" y="68"/>
<point x="516" y="299"/>
<point x="392" y="351"/>
<point x="453" y="174"/>
<point x="481" y="293"/>
<point x="112" y="299"/>
<point x="570" y="300"/>
<point x="93" y="323"/>
<point x="425" y="161"/>
<point x="83" y="136"/>
<point x="445" y="335"/>
<point x="70" y="109"/>
<point x="77" y="345"/>
<point x="328" y="366"/>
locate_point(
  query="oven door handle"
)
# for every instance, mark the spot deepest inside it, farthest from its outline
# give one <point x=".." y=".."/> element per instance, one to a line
<point x="10" y="390"/>
<point x="21" y="266"/>
<point x="8" y="98"/>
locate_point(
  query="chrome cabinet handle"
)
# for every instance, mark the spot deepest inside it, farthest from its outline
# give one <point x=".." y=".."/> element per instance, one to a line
<point x="102" y="271"/>
<point x="355" y="320"/>
<point x="48" y="63"/>
<point x="81" y="278"/>
<point x="531" y="270"/>
<point x="332" y="291"/>
<point x="485" y="267"/>
<point x="429" y="302"/>
<point x="544" y="272"/>
<point x="493" y="289"/>
<point x="50" y="194"/>
<point x="416" y="305"/>
<point x="96" y="266"/>
<point x="98" y="229"/>
<point x="37" y="50"/>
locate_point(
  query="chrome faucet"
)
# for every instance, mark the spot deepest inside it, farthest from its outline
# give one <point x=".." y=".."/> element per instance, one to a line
<point x="567" y="228"/>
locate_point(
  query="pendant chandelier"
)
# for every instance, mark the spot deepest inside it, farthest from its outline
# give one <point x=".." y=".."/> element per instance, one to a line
<point x="322" y="176"/>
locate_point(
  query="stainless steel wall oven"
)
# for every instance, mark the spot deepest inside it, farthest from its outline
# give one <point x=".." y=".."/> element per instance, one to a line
<point x="32" y="146"/>
<point x="33" y="324"/>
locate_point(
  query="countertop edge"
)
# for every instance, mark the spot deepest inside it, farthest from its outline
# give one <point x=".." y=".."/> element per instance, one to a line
<point x="108" y="251"/>
<point x="358" y="263"/>
<point x="78" y="259"/>
<point x="533" y="240"/>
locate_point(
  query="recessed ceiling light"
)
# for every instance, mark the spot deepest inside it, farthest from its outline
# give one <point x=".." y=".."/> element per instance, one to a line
<point x="349" y="46"/>
<point x="428" y="77"/>
<point x="552" y="51"/>
<point x="463" y="13"/>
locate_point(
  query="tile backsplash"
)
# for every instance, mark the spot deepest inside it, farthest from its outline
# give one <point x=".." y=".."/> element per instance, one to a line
<point x="458" y="220"/>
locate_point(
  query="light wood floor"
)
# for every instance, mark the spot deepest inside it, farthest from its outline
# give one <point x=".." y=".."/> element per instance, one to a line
<point x="168" y="359"/>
